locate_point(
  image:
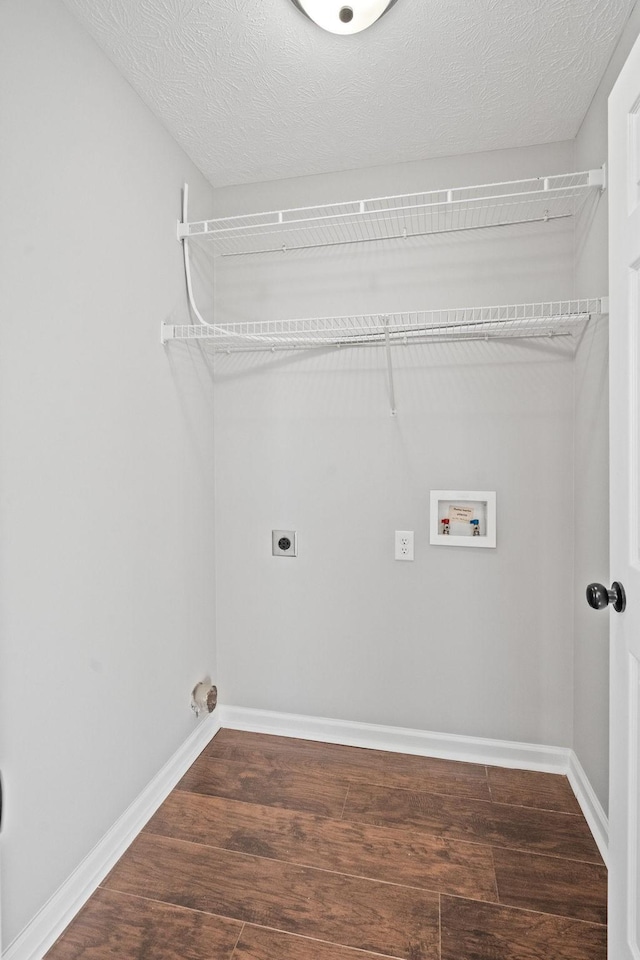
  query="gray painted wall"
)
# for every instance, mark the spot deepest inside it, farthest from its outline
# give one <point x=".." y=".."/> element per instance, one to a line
<point x="591" y="487"/>
<point x="106" y="474"/>
<point x="459" y="641"/>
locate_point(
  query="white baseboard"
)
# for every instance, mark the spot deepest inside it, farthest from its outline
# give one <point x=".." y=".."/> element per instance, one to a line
<point x="47" y="925"/>
<point x="590" y="805"/>
<point x="501" y="753"/>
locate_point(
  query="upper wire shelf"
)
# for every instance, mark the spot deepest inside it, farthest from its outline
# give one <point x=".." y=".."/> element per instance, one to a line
<point x="551" y="319"/>
<point x="540" y="199"/>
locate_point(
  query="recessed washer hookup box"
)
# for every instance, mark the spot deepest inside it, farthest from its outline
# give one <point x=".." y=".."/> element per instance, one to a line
<point x="463" y="518"/>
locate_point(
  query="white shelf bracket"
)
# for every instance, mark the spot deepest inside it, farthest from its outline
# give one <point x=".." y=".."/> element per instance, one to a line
<point x="392" y="392"/>
<point x="598" y="178"/>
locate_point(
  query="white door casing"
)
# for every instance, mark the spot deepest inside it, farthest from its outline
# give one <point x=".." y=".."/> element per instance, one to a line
<point x="624" y="337"/>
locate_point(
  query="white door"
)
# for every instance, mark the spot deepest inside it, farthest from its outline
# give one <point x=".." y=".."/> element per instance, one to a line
<point x="624" y="275"/>
<point x="0" y="869"/>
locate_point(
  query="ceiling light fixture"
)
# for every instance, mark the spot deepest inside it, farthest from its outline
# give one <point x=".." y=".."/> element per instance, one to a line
<point x="336" y="16"/>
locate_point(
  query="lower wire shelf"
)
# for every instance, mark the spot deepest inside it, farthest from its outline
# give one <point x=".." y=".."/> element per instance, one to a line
<point x="550" y="319"/>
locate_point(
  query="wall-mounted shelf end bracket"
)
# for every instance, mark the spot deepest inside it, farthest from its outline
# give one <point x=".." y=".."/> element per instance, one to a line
<point x="167" y="332"/>
<point x="598" y="177"/>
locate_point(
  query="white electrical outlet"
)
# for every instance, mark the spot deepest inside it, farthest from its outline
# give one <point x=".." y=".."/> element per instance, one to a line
<point x="404" y="544"/>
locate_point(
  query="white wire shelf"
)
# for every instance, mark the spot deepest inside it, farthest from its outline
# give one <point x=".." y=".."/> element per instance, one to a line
<point x="551" y="319"/>
<point x="540" y="199"/>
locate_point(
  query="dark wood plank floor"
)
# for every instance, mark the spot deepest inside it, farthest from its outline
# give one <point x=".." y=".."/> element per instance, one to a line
<point x="279" y="849"/>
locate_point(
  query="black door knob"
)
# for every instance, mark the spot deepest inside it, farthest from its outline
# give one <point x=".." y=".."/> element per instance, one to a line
<point x="599" y="597"/>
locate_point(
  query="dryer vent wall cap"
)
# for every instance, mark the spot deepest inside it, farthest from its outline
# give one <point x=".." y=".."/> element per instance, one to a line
<point x="204" y="698"/>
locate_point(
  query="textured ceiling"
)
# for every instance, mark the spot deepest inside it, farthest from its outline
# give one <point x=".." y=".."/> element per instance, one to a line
<point x="253" y="90"/>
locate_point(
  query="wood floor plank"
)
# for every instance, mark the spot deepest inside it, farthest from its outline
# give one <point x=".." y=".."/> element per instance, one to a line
<point x="547" y="791"/>
<point x="338" y="762"/>
<point x="541" y="831"/>
<point x="360" y="757"/>
<point x="256" y="943"/>
<point x="314" y="793"/>
<point x="483" y="931"/>
<point x="564" y="887"/>
<point x="382" y="918"/>
<point x="112" y="926"/>
<point x="395" y="855"/>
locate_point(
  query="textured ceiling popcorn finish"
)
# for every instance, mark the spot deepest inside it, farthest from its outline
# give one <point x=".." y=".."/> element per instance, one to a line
<point x="253" y="90"/>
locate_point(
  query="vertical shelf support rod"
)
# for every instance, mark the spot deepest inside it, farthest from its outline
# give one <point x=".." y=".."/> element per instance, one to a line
<point x="187" y="266"/>
<point x="392" y="392"/>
